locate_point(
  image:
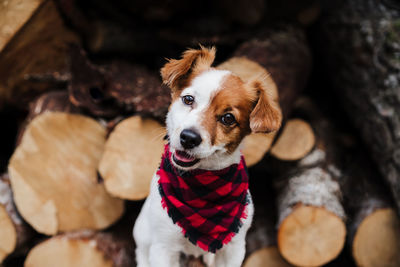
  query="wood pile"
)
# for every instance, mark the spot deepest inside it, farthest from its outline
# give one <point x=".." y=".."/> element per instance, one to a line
<point x="368" y="81"/>
<point x="84" y="109"/>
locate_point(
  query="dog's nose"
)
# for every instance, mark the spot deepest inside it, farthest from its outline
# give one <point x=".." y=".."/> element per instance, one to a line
<point x="190" y="139"/>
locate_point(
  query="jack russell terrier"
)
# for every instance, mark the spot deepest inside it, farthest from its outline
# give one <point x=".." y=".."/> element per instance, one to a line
<point x="199" y="202"/>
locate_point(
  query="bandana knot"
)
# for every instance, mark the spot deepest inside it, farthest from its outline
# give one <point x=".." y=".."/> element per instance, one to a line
<point x="209" y="206"/>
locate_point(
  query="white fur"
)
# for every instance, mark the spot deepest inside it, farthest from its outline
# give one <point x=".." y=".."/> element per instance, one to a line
<point x="203" y="88"/>
<point x="159" y="241"/>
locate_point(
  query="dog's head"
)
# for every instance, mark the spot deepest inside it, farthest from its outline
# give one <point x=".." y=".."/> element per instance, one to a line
<point x="212" y="110"/>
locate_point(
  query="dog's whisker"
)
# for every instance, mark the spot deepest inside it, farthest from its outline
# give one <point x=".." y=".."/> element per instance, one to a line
<point x="158" y="133"/>
<point x="158" y="136"/>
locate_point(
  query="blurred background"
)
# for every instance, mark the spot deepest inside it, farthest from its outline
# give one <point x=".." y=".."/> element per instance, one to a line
<point x="82" y="110"/>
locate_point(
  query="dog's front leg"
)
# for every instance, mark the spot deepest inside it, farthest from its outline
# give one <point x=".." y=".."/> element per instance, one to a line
<point x="231" y="255"/>
<point x="162" y="256"/>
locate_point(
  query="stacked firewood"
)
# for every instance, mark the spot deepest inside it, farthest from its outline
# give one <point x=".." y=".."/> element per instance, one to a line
<point x="84" y="78"/>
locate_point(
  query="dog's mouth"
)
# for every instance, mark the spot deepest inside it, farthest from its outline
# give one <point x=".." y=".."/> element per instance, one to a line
<point x="183" y="159"/>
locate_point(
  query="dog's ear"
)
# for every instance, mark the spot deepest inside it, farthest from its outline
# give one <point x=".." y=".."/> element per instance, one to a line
<point x="266" y="116"/>
<point x="177" y="73"/>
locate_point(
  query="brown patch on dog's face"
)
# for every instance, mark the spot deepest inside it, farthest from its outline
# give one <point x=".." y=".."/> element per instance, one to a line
<point x="178" y="74"/>
<point x="234" y="97"/>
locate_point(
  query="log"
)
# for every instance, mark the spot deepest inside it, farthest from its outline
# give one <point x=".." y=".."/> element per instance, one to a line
<point x="112" y="247"/>
<point x="374" y="226"/>
<point x="53" y="175"/>
<point x="311" y="227"/>
<point x="82" y="248"/>
<point x="360" y="52"/>
<point x="377" y="241"/>
<point x="39" y="45"/>
<point x="366" y="200"/>
<point x="126" y="149"/>
<point x="132" y="154"/>
<point x="13" y="15"/>
<point x="7" y="233"/>
<point x="87" y="87"/>
<point x="121" y="28"/>
<point x="52" y="101"/>
<point x="268" y="256"/>
<point x="58" y="101"/>
<point x="255" y="146"/>
<point x="115" y="88"/>
<point x="296" y="140"/>
<point x="14" y="232"/>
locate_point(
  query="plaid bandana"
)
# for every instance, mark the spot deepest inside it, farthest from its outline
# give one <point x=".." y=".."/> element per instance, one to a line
<point x="208" y="205"/>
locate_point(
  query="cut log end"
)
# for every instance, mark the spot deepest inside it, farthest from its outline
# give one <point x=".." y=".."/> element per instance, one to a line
<point x="61" y="251"/>
<point x="131" y="156"/>
<point x="295" y="142"/>
<point x="8" y="234"/>
<point x="377" y="240"/>
<point x="53" y="175"/>
<point x="268" y="256"/>
<point x="311" y="236"/>
<point x="13" y="15"/>
<point x="255" y="146"/>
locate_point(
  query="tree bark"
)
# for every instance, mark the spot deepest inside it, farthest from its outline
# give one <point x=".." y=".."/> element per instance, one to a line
<point x="115" y="88"/>
<point x="39" y="47"/>
<point x="359" y="42"/>
<point x="311" y="227"/>
<point x="52" y="101"/>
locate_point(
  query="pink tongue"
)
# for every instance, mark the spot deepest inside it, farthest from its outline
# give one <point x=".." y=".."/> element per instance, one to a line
<point x="182" y="156"/>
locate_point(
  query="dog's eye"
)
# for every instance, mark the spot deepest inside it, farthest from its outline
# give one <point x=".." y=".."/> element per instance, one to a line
<point x="188" y="100"/>
<point x="228" y="119"/>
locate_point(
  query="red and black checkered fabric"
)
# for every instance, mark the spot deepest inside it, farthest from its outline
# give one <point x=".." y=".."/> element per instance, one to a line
<point x="209" y="206"/>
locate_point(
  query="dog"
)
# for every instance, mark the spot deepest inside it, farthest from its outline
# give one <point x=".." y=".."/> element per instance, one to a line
<point x="199" y="203"/>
